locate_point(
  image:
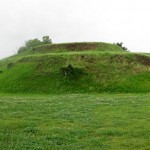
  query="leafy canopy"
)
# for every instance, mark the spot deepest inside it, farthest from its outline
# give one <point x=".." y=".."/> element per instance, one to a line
<point x="33" y="43"/>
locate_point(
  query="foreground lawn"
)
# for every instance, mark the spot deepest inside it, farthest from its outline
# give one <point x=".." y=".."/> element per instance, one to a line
<point x="105" y="122"/>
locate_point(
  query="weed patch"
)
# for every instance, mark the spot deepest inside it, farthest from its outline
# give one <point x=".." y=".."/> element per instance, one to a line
<point x="10" y="65"/>
<point x="71" y="72"/>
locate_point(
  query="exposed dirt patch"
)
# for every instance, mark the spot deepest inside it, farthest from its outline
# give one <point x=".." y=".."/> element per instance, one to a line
<point x="68" y="47"/>
<point x="81" y="46"/>
<point x="145" y="60"/>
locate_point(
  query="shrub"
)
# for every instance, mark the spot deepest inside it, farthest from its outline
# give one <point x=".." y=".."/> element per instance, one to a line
<point x="121" y="45"/>
<point x="1" y="71"/>
<point x="71" y="72"/>
<point x="22" y="49"/>
<point x="10" y="65"/>
<point x="30" y="44"/>
<point x="46" y="40"/>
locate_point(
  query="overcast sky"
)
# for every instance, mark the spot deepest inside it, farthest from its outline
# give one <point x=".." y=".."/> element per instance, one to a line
<point x="126" y="21"/>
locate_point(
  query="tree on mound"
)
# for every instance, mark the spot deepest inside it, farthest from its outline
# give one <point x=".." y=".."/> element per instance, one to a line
<point x="33" y="43"/>
<point x="121" y="45"/>
<point x="46" y="40"/>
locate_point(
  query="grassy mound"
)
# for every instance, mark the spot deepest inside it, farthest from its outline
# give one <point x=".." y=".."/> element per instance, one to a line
<point x="76" y="47"/>
<point x="76" y="71"/>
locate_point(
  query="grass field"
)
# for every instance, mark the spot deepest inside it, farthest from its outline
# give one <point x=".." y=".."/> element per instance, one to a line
<point x="75" y="121"/>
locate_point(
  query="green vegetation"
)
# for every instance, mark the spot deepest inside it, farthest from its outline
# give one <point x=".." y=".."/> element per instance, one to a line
<point x="123" y="47"/>
<point x="94" y="71"/>
<point x="76" y="121"/>
<point x="50" y="97"/>
<point x="77" y="47"/>
<point x="30" y="44"/>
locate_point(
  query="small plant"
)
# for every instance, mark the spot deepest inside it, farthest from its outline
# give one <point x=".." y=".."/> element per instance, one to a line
<point x="71" y="72"/>
<point x="10" y="65"/>
<point x="1" y="71"/>
<point x="121" y="45"/>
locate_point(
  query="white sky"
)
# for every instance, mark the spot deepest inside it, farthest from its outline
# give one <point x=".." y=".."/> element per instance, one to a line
<point x="126" y="21"/>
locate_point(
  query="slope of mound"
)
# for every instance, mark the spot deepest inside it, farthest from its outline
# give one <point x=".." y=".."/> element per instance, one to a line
<point x="76" y="72"/>
<point x="76" y="47"/>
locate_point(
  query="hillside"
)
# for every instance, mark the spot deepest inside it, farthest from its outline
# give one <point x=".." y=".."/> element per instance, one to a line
<point x="75" y="47"/>
<point x="75" y="68"/>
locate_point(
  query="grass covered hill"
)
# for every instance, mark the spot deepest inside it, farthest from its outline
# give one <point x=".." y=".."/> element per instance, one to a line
<point x="76" y="47"/>
<point x="75" y="68"/>
<point x="70" y="113"/>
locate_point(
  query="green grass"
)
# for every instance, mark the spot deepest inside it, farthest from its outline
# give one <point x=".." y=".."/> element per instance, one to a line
<point x="101" y="72"/>
<point x="75" y="121"/>
<point x="76" y="47"/>
<point x="73" y="114"/>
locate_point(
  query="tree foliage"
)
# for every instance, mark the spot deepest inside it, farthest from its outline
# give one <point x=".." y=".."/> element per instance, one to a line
<point x="46" y="40"/>
<point x="121" y="45"/>
<point x="33" y="43"/>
